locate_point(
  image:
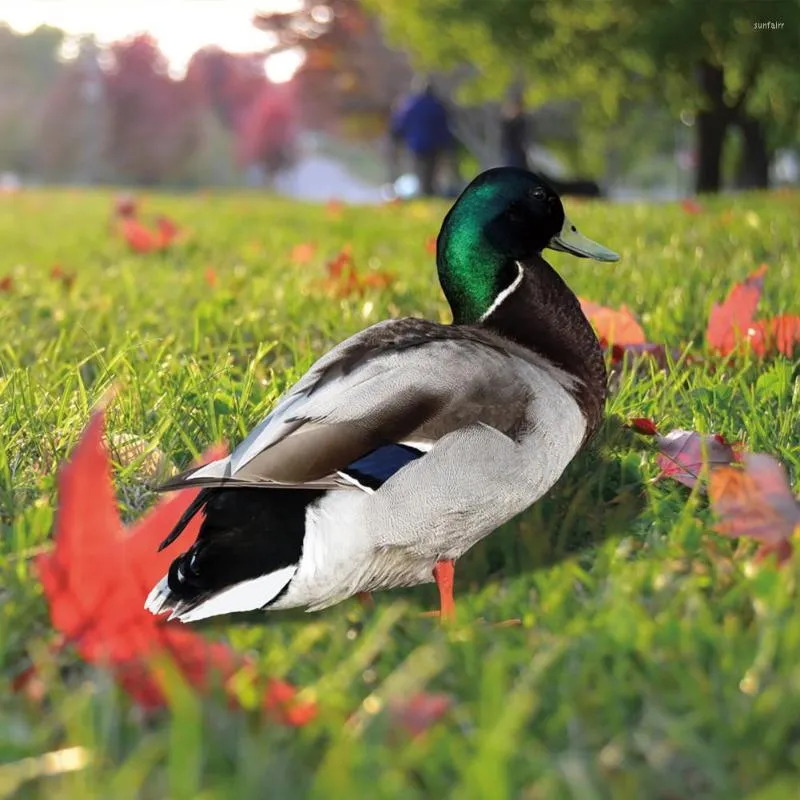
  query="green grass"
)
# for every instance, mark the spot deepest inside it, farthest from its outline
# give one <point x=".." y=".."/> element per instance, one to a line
<point x="650" y="664"/>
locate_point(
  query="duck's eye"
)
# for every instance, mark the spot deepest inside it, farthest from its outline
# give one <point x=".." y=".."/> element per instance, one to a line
<point x="539" y="194"/>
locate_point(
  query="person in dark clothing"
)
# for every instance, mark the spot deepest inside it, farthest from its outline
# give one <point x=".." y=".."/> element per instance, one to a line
<point x="514" y="135"/>
<point x="422" y="124"/>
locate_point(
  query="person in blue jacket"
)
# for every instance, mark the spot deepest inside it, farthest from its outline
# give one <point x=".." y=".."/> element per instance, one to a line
<point x="421" y="122"/>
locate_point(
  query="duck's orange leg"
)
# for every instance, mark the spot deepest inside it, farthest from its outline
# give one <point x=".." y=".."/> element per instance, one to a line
<point x="443" y="572"/>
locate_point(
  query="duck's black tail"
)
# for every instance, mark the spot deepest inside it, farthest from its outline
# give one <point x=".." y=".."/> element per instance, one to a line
<point x="246" y="553"/>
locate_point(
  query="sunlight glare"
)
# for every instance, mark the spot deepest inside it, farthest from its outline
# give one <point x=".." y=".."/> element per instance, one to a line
<point x="180" y="27"/>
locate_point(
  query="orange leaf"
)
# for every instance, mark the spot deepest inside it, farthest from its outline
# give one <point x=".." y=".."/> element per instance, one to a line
<point x="334" y="209"/>
<point x="430" y="245"/>
<point x="613" y="327"/>
<point x="168" y="231"/>
<point x="6" y="283"/>
<point x="758" y="503"/>
<point x="303" y="252"/>
<point x="139" y="238"/>
<point x="691" y="206"/>
<point x="731" y="323"/>
<point x="211" y="277"/>
<point x="99" y="573"/>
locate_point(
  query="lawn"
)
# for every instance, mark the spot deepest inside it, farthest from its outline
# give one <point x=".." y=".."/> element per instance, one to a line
<point x="652" y="661"/>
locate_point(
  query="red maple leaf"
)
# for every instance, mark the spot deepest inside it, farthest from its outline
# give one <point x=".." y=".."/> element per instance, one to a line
<point x="781" y="333"/>
<point x="691" y="206"/>
<point x="731" y="323"/>
<point x="138" y="236"/>
<point x="99" y="573"/>
<point x="756" y="502"/>
<point x="168" y="231"/>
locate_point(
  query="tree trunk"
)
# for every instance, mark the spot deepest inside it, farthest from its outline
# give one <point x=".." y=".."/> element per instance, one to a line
<point x="712" y="126"/>
<point x="753" y="169"/>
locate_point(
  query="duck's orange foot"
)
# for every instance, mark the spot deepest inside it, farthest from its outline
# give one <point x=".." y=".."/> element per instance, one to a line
<point x="444" y="573"/>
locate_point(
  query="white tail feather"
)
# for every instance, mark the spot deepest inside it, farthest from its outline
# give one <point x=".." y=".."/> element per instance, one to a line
<point x="245" y="596"/>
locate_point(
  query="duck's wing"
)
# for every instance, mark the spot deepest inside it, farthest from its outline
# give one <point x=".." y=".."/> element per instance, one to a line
<point x="403" y="382"/>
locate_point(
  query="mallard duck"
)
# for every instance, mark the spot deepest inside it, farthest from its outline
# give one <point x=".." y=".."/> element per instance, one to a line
<point x="411" y="441"/>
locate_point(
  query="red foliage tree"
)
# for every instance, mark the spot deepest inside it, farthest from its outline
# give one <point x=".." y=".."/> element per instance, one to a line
<point x="153" y="120"/>
<point x="350" y="75"/>
<point x="260" y="114"/>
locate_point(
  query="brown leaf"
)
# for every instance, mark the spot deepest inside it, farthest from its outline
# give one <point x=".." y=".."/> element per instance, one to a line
<point x="756" y="502"/>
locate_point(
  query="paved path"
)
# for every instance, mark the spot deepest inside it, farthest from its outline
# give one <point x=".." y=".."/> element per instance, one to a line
<point x="317" y="177"/>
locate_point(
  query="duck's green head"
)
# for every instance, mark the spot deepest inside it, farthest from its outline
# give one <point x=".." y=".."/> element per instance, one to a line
<point x="505" y="217"/>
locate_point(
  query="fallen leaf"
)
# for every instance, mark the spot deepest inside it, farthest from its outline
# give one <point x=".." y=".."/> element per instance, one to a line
<point x="644" y="426"/>
<point x="691" y="206"/>
<point x="418" y="713"/>
<point x="660" y="353"/>
<point x="614" y="327"/>
<point x="303" y="252"/>
<point x="126" y="205"/>
<point x="99" y="573"/>
<point x="781" y="334"/>
<point x="67" y="279"/>
<point x="683" y="455"/>
<point x="6" y="283"/>
<point x="756" y="502"/>
<point x="210" y="276"/>
<point x="139" y="237"/>
<point x="344" y="279"/>
<point x="430" y="245"/>
<point x="168" y="231"/>
<point x="731" y="323"/>
<point x="334" y="209"/>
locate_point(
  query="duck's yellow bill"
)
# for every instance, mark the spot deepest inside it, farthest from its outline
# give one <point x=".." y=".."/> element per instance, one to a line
<point x="570" y="241"/>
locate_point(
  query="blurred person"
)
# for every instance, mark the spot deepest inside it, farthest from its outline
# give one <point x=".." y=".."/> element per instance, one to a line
<point x="514" y="134"/>
<point x="421" y="123"/>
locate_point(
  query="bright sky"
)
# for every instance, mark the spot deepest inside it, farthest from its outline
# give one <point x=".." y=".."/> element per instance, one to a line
<point x="180" y="26"/>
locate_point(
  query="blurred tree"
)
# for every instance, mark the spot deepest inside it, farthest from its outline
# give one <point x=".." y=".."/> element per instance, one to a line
<point x="72" y="130"/>
<point x="28" y="66"/>
<point x="350" y="77"/>
<point x="706" y="60"/>
<point x="268" y="131"/>
<point x="260" y="114"/>
<point x="230" y="83"/>
<point x="153" y="120"/>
